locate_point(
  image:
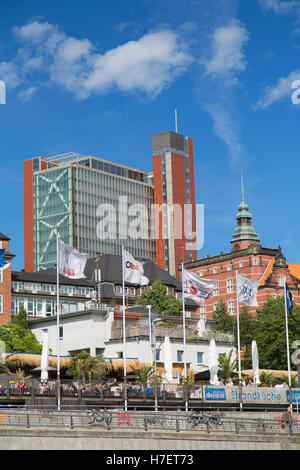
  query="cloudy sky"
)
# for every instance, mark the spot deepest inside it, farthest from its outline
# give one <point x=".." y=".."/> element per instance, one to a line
<point x="101" y="77"/>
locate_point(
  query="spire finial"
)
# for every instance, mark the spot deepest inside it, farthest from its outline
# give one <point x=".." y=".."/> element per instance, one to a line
<point x="242" y="188"/>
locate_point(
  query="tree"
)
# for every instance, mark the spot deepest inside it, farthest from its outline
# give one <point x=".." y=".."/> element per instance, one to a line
<point x="227" y="365"/>
<point x="144" y="374"/>
<point x="270" y="334"/>
<point x="222" y="322"/>
<point x="19" y="339"/>
<point x="165" y="304"/>
<point x="83" y="366"/>
<point x="21" y="318"/>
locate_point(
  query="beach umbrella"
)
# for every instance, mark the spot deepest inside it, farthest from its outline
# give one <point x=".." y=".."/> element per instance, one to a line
<point x="168" y="359"/>
<point x="45" y="355"/>
<point x="255" y="363"/>
<point x="213" y="362"/>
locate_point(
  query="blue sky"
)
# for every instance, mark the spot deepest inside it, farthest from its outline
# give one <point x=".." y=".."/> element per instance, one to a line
<point x="100" y="78"/>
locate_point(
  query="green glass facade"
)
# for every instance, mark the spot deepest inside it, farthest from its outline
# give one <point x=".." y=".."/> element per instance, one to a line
<point x="66" y="204"/>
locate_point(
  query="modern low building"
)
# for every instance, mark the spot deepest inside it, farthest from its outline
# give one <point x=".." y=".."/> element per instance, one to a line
<point x="250" y="259"/>
<point x="101" y="332"/>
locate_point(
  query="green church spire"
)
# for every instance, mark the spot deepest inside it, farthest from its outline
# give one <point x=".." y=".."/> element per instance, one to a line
<point x="244" y="233"/>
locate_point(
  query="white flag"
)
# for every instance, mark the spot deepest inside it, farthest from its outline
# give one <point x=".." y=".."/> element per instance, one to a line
<point x="195" y="287"/>
<point x="71" y="261"/>
<point x="133" y="270"/>
<point x="247" y="291"/>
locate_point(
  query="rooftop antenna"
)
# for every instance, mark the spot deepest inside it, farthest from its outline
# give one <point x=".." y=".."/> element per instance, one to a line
<point x="176" y="121"/>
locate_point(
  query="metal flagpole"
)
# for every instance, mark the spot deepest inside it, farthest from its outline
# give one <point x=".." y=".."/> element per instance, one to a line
<point x="184" y="338"/>
<point x="287" y="336"/>
<point x="124" y="333"/>
<point x="150" y="334"/>
<point x="58" y="326"/>
<point x="238" y="336"/>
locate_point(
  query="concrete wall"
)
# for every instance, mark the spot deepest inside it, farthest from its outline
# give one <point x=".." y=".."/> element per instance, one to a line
<point x="47" y="439"/>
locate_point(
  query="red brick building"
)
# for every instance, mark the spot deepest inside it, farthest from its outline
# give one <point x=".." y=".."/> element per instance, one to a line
<point x="250" y="259"/>
<point x="5" y="282"/>
<point x="174" y="187"/>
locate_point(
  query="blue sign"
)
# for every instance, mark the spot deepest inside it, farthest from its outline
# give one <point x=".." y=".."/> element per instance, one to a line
<point x="295" y="396"/>
<point x="215" y="394"/>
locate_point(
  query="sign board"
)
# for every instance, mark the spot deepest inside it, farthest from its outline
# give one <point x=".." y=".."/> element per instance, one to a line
<point x="251" y="395"/>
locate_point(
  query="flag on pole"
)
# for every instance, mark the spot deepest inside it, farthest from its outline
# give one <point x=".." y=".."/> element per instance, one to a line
<point x="289" y="300"/>
<point x="133" y="270"/>
<point x="247" y="291"/>
<point x="196" y="287"/>
<point x="3" y="263"/>
<point x="71" y="261"/>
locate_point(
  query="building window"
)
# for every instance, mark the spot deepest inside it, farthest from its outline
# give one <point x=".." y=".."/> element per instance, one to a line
<point x="61" y="332"/>
<point x="158" y="355"/>
<point x="241" y="264"/>
<point x="200" y="273"/>
<point x="1" y="277"/>
<point x="202" y="309"/>
<point x="119" y="290"/>
<point x="132" y="291"/>
<point x="199" y="357"/>
<point x="281" y="281"/>
<point x="228" y="267"/>
<point x="215" y="270"/>
<point x="216" y="289"/>
<point x="215" y="307"/>
<point x="1" y="303"/>
<point x="179" y="356"/>
<point x="255" y="261"/>
<point x="229" y="285"/>
<point x="230" y="307"/>
<point x="120" y="355"/>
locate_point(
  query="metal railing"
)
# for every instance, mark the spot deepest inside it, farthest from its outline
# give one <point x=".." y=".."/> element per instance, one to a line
<point x="105" y="419"/>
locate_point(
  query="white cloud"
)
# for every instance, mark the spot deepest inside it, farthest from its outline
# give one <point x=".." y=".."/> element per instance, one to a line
<point x="281" y="7"/>
<point x="147" y="65"/>
<point x="227" y="55"/>
<point x="282" y="89"/>
<point x="226" y="129"/>
<point x="26" y="95"/>
<point x="225" y="61"/>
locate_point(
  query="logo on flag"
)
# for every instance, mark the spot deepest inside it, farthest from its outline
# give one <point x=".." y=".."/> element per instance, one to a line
<point x="289" y="299"/>
<point x="196" y="287"/>
<point x="133" y="270"/>
<point x="3" y="263"/>
<point x="247" y="291"/>
<point x="71" y="261"/>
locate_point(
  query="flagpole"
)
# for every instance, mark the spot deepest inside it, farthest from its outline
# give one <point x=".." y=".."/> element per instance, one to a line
<point x="124" y="333"/>
<point x="184" y="337"/>
<point x="58" y="326"/>
<point x="238" y="338"/>
<point x="287" y="336"/>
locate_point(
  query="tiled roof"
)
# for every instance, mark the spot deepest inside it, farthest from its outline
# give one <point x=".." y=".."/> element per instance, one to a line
<point x="267" y="272"/>
<point x="4" y="237"/>
<point x="294" y="270"/>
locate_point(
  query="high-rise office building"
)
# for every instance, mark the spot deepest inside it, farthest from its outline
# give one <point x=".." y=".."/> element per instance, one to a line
<point x="70" y="196"/>
<point x="84" y="201"/>
<point x="174" y="191"/>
